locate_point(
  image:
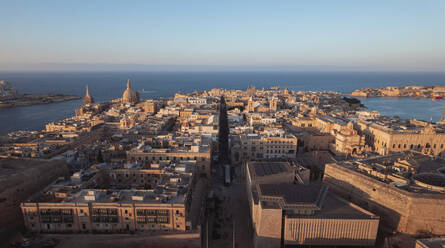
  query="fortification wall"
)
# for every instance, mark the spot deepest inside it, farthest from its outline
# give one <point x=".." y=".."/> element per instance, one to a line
<point x="24" y="178"/>
<point x="399" y="210"/>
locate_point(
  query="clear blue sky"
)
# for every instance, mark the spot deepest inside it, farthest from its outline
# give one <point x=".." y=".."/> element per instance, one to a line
<point x="368" y="35"/>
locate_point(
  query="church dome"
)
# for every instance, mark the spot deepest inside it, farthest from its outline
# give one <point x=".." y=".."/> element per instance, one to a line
<point x="130" y="96"/>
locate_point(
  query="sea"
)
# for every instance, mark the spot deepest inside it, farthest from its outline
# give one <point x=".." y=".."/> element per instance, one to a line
<point x="105" y="86"/>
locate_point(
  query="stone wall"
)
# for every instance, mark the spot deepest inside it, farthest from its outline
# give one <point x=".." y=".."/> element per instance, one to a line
<point x="21" y="179"/>
<point x="399" y="210"/>
<point x="268" y="228"/>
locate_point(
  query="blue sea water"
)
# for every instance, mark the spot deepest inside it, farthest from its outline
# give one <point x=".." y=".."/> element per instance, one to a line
<point x="105" y="86"/>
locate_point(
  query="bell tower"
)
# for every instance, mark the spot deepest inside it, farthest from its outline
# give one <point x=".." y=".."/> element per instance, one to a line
<point x="250" y="105"/>
<point x="273" y="104"/>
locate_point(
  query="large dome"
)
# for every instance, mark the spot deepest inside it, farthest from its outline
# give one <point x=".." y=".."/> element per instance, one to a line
<point x="130" y="96"/>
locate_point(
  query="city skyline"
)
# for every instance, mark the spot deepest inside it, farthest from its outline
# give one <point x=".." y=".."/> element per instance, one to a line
<point x="377" y="36"/>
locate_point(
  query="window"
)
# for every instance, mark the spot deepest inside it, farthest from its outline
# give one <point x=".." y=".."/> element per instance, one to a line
<point x="68" y="219"/>
<point x="67" y="211"/>
<point x="44" y="212"/>
<point x="126" y="211"/>
<point x="112" y="211"/>
<point x="163" y="220"/>
<point x="163" y="212"/>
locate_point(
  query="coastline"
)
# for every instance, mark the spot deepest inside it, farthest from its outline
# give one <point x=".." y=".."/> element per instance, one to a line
<point x="416" y="92"/>
<point x="31" y="99"/>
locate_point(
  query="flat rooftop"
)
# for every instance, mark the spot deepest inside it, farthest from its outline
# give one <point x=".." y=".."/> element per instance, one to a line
<point x="268" y="168"/>
<point x="313" y="196"/>
<point x="125" y="196"/>
<point x="293" y="193"/>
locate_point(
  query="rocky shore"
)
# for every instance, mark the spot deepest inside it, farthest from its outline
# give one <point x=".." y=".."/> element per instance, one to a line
<point x="9" y="97"/>
<point x="28" y="99"/>
<point x="404" y="91"/>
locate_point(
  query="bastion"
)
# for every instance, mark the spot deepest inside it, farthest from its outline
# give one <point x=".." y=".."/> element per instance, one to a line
<point x="403" y="205"/>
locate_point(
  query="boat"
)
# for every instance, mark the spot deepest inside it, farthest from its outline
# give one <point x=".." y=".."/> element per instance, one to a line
<point x="437" y="97"/>
<point x="143" y="91"/>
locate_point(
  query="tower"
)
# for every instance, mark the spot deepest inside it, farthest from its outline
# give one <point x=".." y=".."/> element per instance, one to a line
<point x="286" y="91"/>
<point x="273" y="104"/>
<point x="88" y="99"/>
<point x="250" y="105"/>
<point x="251" y="90"/>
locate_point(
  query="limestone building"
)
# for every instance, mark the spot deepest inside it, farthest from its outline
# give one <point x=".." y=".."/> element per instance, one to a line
<point x="114" y="201"/>
<point x="385" y="136"/>
<point x="150" y="106"/>
<point x="247" y="147"/>
<point x="407" y="189"/>
<point x="287" y="214"/>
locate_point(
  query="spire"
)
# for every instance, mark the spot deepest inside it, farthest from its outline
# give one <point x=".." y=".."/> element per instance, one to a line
<point x="87" y="94"/>
<point x="128" y="84"/>
<point x="88" y="99"/>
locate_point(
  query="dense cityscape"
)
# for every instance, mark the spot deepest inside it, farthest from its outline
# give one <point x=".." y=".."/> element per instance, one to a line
<point x="226" y="168"/>
<point x="222" y="124"/>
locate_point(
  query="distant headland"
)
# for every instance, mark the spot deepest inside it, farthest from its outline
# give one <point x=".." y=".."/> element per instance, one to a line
<point x="434" y="92"/>
<point x="9" y="97"/>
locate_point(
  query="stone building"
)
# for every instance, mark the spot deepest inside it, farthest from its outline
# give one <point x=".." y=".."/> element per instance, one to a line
<point x="260" y="147"/>
<point x="347" y="141"/>
<point x="105" y="211"/>
<point x="273" y="104"/>
<point x="287" y="214"/>
<point x="150" y="106"/>
<point x="201" y="156"/>
<point x="156" y="198"/>
<point x="385" y="137"/>
<point x="407" y="190"/>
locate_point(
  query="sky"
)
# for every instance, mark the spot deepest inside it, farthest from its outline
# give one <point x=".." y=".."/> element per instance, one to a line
<point x="406" y="35"/>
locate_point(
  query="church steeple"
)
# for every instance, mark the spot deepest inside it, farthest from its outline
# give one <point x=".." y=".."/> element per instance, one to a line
<point x="128" y="84"/>
<point x="88" y="99"/>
